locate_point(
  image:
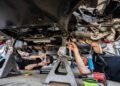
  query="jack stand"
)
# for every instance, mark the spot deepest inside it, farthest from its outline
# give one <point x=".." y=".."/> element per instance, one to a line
<point x="8" y="66"/>
<point x="53" y="76"/>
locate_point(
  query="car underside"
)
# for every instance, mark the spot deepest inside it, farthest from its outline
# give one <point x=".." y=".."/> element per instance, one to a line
<point x="32" y="28"/>
<point x="30" y="20"/>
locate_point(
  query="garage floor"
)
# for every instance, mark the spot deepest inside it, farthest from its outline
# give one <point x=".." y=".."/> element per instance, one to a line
<point x="37" y="79"/>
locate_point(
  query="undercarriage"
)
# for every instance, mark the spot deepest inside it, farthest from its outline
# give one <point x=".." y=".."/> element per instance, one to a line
<point x="38" y="26"/>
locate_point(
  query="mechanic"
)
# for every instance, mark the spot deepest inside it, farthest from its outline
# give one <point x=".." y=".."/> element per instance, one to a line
<point x="29" y="58"/>
<point x="32" y="61"/>
<point x="79" y="59"/>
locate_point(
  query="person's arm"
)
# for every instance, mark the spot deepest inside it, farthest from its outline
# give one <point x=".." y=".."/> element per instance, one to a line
<point x="81" y="66"/>
<point x="38" y="56"/>
<point x="31" y="66"/>
<point x="43" y="63"/>
<point x="95" y="45"/>
<point x="26" y="55"/>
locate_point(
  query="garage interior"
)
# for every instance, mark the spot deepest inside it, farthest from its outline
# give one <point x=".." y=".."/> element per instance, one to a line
<point x="59" y="43"/>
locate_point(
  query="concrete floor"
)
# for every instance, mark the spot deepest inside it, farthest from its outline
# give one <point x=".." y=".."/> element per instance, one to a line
<point x="37" y="79"/>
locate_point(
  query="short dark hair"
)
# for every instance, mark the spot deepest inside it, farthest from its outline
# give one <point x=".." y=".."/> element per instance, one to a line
<point x="50" y="58"/>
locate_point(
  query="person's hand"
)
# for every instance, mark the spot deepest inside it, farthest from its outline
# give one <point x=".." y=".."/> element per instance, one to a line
<point x="95" y="45"/>
<point x="43" y="55"/>
<point x="72" y="46"/>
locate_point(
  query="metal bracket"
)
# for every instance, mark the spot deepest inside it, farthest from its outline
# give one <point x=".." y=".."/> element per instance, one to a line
<point x="9" y="65"/>
<point x="53" y="76"/>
